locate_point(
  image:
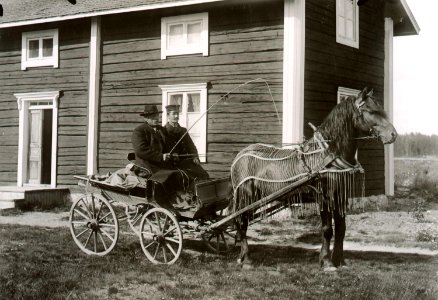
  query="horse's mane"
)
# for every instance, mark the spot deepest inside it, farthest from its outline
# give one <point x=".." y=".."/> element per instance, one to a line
<point x="338" y="126"/>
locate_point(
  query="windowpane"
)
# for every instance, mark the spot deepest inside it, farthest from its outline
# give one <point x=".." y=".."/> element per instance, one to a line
<point x="47" y="47"/>
<point x="176" y="99"/>
<point x="175" y="35"/>
<point x="350" y="32"/>
<point x="34" y="48"/>
<point x="193" y="102"/>
<point x="194" y="33"/>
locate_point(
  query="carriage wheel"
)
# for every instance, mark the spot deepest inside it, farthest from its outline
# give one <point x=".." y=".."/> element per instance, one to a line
<point x="161" y="236"/>
<point x="219" y="240"/>
<point x="134" y="214"/>
<point x="94" y="225"/>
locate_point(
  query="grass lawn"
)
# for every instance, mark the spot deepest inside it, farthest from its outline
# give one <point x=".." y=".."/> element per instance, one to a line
<point x="40" y="263"/>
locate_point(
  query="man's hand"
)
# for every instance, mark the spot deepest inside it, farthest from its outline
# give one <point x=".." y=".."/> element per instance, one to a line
<point x="166" y="156"/>
<point x="196" y="161"/>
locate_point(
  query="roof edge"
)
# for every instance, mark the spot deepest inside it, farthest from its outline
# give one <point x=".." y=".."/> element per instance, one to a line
<point x="105" y="12"/>
<point x="410" y="16"/>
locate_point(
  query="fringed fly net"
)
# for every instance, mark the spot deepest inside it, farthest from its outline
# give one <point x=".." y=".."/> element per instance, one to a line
<point x="260" y="170"/>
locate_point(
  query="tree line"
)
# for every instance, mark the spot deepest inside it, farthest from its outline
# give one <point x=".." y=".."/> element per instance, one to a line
<point x="416" y="145"/>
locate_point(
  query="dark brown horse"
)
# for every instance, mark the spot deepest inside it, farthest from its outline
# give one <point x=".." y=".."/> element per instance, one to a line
<point x="260" y="170"/>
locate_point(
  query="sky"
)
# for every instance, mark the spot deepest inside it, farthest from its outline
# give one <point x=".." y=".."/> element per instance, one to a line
<point x="416" y="73"/>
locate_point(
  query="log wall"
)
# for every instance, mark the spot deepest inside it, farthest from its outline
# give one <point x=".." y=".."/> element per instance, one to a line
<point x="330" y="65"/>
<point x="245" y="43"/>
<point x="71" y="78"/>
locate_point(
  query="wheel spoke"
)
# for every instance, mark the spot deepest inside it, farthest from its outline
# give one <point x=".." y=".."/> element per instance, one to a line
<point x="93" y="213"/>
<point x="225" y="241"/>
<point x="95" y="240"/>
<point x="150" y="244"/>
<point x="156" y="251"/>
<point x="171" y="249"/>
<point x="98" y="212"/>
<point x="107" y="225"/>
<point x="158" y="221"/>
<point x="85" y="230"/>
<point x="102" y="240"/>
<point x="85" y="206"/>
<point x="100" y="220"/>
<point x="172" y="229"/>
<point x="153" y="226"/>
<point x="88" y="239"/>
<point x="147" y="233"/>
<point x="107" y="235"/>
<point x="171" y="240"/>
<point x="79" y="222"/>
<point x="164" y="254"/>
<point x="83" y="215"/>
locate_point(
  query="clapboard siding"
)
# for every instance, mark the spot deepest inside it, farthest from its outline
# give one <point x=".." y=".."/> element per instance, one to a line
<point x="245" y="43"/>
<point x="330" y="65"/>
<point x="71" y="78"/>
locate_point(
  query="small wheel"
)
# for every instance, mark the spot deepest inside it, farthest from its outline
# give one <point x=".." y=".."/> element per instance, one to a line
<point x="161" y="236"/>
<point x="94" y="225"/>
<point x="134" y="213"/>
<point x="219" y="240"/>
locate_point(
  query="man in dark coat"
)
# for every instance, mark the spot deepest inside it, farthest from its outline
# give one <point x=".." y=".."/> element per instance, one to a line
<point x="148" y="142"/>
<point x="180" y="145"/>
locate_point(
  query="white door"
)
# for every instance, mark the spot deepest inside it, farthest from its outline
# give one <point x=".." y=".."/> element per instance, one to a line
<point x="35" y="146"/>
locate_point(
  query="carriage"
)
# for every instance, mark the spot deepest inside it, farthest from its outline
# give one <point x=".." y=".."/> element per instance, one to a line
<point x="161" y="223"/>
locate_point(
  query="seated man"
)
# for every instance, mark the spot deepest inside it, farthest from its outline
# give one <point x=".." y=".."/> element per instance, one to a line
<point x="150" y="154"/>
<point x="148" y="142"/>
<point x="181" y="146"/>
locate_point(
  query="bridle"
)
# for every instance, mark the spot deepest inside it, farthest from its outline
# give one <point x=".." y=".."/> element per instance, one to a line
<point x="372" y="133"/>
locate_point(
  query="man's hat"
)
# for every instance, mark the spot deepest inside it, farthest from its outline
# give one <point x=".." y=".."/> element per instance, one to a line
<point x="172" y="107"/>
<point x="150" y="109"/>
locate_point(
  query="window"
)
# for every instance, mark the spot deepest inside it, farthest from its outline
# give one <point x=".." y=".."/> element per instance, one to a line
<point x="192" y="99"/>
<point x="39" y="49"/>
<point x="186" y="34"/>
<point x="343" y="93"/>
<point x="347" y="23"/>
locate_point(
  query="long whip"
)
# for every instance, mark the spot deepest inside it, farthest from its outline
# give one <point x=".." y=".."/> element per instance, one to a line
<point x="224" y="97"/>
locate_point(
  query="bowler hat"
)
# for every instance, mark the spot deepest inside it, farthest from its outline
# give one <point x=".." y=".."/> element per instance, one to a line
<point x="172" y="107"/>
<point x="150" y="109"/>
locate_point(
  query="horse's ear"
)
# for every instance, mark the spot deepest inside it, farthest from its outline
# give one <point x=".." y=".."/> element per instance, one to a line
<point x="360" y="98"/>
<point x="370" y="93"/>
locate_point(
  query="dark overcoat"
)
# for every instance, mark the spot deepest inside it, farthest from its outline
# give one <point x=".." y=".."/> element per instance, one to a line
<point x="149" y="147"/>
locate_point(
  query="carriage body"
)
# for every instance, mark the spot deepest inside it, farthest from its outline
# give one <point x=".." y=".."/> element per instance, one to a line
<point x="95" y="217"/>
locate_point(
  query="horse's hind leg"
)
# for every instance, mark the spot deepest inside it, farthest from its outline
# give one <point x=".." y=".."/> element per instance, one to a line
<point x="242" y="227"/>
<point x="338" y="248"/>
<point x="327" y="234"/>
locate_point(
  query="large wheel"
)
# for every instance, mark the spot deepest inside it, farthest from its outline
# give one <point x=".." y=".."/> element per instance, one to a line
<point x="219" y="240"/>
<point x="161" y="236"/>
<point x="94" y="225"/>
<point x="134" y="214"/>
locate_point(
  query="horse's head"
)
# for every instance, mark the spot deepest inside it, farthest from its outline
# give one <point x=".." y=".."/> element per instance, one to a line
<point x="372" y="118"/>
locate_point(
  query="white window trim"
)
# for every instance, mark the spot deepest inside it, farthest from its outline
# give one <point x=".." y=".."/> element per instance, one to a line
<point x="202" y="49"/>
<point x="342" y="40"/>
<point x="23" y="101"/>
<point x="188" y="88"/>
<point x="343" y="91"/>
<point x="39" y="62"/>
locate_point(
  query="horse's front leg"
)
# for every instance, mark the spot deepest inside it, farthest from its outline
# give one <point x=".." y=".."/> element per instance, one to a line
<point x="326" y="234"/>
<point x="242" y="227"/>
<point x="338" y="248"/>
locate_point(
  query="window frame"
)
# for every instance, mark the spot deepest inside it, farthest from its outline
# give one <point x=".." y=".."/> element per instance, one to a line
<point x="51" y="61"/>
<point x="342" y="39"/>
<point x="200" y="88"/>
<point x="166" y="22"/>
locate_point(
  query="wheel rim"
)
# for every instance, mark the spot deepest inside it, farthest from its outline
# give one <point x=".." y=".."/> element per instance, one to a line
<point x="134" y="214"/>
<point x="94" y="225"/>
<point x="161" y="236"/>
<point x="219" y="240"/>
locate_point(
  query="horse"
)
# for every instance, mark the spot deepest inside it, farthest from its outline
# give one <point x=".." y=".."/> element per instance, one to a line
<point x="260" y="170"/>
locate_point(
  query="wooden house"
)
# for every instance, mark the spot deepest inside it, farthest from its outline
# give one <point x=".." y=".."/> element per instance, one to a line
<point x="76" y="74"/>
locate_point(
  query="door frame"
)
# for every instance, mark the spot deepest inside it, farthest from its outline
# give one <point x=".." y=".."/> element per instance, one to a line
<point x="23" y="102"/>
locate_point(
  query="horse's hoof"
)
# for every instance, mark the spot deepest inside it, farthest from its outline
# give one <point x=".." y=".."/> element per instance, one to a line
<point x="239" y="261"/>
<point x="329" y="269"/>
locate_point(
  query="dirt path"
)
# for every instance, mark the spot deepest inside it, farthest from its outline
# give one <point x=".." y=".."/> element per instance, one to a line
<point x="53" y="220"/>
